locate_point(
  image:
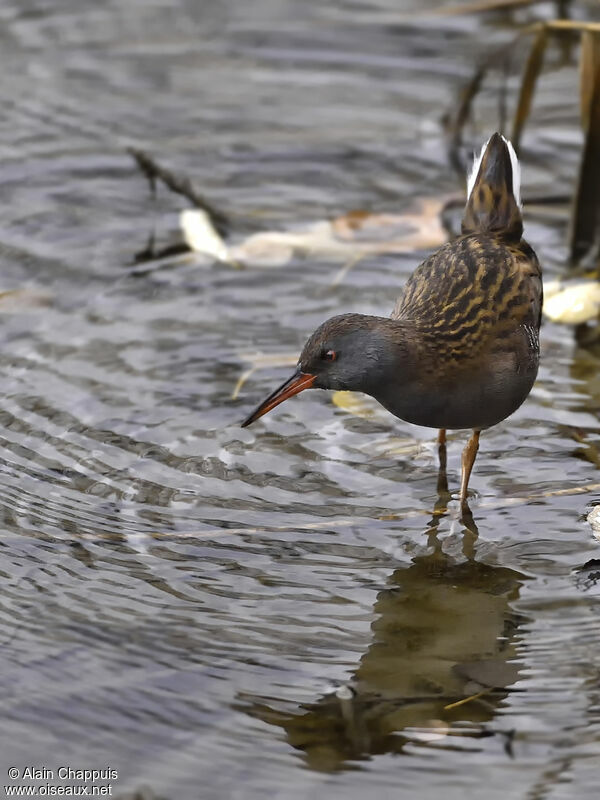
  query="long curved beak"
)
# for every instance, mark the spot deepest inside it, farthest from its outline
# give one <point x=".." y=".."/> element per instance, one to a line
<point x="297" y="383"/>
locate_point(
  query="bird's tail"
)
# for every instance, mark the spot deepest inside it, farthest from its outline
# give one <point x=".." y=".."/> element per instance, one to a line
<point x="494" y="200"/>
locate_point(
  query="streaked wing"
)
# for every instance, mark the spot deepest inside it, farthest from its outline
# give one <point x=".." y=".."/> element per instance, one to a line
<point x="471" y="293"/>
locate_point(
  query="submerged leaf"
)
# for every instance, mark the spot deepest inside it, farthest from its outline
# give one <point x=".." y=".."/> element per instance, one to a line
<point x="432" y="730"/>
<point x="262" y="361"/>
<point x="572" y="303"/>
<point x="594" y="519"/>
<point x="200" y="234"/>
<point x="15" y="301"/>
<point x="365" y="407"/>
<point x="350" y="236"/>
<point x="357" y="404"/>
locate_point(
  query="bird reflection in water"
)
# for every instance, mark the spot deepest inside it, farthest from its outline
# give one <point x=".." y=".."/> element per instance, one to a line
<point x="441" y="662"/>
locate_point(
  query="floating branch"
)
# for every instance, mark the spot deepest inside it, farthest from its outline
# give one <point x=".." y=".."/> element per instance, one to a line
<point x="179" y="184"/>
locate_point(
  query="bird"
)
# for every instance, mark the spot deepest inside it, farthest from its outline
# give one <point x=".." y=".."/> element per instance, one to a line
<point x="460" y="349"/>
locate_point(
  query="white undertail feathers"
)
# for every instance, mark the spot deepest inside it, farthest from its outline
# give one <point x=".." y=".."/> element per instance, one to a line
<point x="516" y="171"/>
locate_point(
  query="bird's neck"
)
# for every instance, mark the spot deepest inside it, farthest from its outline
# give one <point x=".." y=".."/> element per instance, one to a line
<point x="390" y="353"/>
<point x="394" y="373"/>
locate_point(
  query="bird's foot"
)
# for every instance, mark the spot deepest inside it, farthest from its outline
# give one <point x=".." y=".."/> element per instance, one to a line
<point x="462" y="504"/>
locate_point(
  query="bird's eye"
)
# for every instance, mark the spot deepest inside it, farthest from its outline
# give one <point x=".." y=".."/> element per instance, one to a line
<point x="329" y="355"/>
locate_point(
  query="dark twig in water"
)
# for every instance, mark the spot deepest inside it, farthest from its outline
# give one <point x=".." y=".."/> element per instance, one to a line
<point x="150" y="253"/>
<point x="484" y="5"/>
<point x="181" y="185"/>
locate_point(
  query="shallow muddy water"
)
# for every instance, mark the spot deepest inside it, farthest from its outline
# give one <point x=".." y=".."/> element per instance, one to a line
<point x="277" y="611"/>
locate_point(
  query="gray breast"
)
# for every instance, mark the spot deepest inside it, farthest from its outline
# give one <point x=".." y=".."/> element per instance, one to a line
<point x="470" y="399"/>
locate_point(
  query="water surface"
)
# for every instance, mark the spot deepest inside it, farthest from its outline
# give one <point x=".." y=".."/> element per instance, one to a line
<point x="277" y="611"/>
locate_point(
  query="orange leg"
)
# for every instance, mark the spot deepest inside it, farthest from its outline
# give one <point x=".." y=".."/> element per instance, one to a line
<point x="468" y="459"/>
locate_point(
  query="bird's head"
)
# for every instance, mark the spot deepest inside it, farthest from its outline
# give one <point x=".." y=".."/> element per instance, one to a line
<point x="350" y="351"/>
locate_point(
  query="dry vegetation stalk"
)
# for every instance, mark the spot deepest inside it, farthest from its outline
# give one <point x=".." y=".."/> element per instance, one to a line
<point x="584" y="238"/>
<point x="585" y="220"/>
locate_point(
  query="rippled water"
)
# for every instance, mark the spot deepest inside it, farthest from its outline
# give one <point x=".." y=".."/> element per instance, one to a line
<point x="278" y="611"/>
